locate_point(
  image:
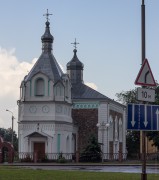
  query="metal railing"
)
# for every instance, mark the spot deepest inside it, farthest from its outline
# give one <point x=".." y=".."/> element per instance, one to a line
<point x="80" y="157"/>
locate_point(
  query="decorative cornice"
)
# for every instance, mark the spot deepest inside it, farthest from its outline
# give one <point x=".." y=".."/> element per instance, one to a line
<point x="86" y="105"/>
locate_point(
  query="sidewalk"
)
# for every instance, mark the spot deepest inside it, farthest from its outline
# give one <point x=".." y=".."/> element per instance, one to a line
<point x="156" y="164"/>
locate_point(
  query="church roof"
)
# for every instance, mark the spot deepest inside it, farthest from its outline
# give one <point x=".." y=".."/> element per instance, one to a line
<point x="82" y="91"/>
<point x="46" y="63"/>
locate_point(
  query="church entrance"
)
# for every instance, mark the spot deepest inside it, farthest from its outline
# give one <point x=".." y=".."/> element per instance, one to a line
<point x="39" y="149"/>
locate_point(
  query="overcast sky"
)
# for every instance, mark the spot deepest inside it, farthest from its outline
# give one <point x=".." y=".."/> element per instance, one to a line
<point x="109" y="33"/>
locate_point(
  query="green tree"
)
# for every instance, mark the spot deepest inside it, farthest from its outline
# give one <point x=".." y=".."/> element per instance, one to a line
<point x="92" y="152"/>
<point x="133" y="142"/>
<point x="6" y="134"/>
<point x="154" y="135"/>
<point x="125" y="97"/>
<point x="130" y="97"/>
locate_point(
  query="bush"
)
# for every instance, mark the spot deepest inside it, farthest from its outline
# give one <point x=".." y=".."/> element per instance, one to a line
<point x="61" y="159"/>
<point x="92" y="153"/>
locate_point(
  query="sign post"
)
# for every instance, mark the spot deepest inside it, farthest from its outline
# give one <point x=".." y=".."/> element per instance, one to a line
<point x="144" y="78"/>
<point x="143" y="175"/>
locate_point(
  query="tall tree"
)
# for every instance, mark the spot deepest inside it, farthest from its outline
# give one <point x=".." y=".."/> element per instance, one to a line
<point x="6" y="134"/>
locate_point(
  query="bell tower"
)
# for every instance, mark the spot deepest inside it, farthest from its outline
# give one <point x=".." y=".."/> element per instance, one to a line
<point x="75" y="67"/>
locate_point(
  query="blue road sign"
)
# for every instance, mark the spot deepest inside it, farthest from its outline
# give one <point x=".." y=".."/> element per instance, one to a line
<point x="143" y="117"/>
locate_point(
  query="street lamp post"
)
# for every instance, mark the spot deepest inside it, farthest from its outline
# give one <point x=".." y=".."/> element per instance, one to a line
<point x="102" y="126"/>
<point x="12" y="122"/>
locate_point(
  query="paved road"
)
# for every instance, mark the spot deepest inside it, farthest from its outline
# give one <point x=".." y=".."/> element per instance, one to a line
<point x="124" y="169"/>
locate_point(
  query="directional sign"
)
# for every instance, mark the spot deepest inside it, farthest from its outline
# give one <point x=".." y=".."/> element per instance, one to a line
<point x="146" y="94"/>
<point x="143" y="117"/>
<point x="145" y="76"/>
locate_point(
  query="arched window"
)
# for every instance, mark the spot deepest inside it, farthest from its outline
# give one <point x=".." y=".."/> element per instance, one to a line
<point x="66" y="89"/>
<point x="39" y="87"/>
<point x="58" y="90"/>
<point x="67" y="145"/>
<point x="111" y="128"/>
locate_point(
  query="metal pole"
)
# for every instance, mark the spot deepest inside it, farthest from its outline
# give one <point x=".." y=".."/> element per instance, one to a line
<point x="102" y="143"/>
<point x="143" y="44"/>
<point x="12" y="127"/>
<point x="143" y="49"/>
<point x="12" y="124"/>
<point x="107" y="145"/>
<point x="144" y="174"/>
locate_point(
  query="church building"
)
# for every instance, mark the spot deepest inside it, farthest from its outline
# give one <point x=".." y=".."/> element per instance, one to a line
<point x="58" y="112"/>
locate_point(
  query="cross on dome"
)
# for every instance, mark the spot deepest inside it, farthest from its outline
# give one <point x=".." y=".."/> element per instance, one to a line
<point x="47" y="15"/>
<point x="75" y="44"/>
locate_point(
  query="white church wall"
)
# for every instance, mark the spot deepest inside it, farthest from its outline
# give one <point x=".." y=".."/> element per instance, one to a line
<point x="35" y="112"/>
<point x="50" y="144"/>
<point x="115" y="132"/>
<point x="124" y="131"/>
<point x="45" y="112"/>
<point x="67" y="88"/>
<point x="121" y="127"/>
<point x="103" y="112"/>
<point x="44" y="93"/>
<point x="116" y="108"/>
<point x="26" y="90"/>
<point x="63" y="113"/>
<point x="20" y="139"/>
<point x="103" y="128"/>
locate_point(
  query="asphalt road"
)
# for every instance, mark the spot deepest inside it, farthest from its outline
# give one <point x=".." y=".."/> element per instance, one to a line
<point x="124" y="169"/>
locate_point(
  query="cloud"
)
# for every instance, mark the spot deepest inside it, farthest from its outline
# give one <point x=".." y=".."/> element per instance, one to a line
<point x="92" y="85"/>
<point x="12" y="72"/>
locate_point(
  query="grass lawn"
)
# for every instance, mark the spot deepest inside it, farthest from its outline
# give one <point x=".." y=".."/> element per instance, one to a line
<point x="13" y="173"/>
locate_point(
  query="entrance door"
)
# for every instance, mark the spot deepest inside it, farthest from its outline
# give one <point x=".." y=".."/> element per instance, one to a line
<point x="39" y="149"/>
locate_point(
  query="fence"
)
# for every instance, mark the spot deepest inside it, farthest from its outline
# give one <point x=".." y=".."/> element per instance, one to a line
<point x="47" y="157"/>
<point x="80" y="157"/>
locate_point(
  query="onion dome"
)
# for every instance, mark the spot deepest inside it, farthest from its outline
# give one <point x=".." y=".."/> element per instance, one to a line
<point x="75" y="63"/>
<point x="47" y="39"/>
